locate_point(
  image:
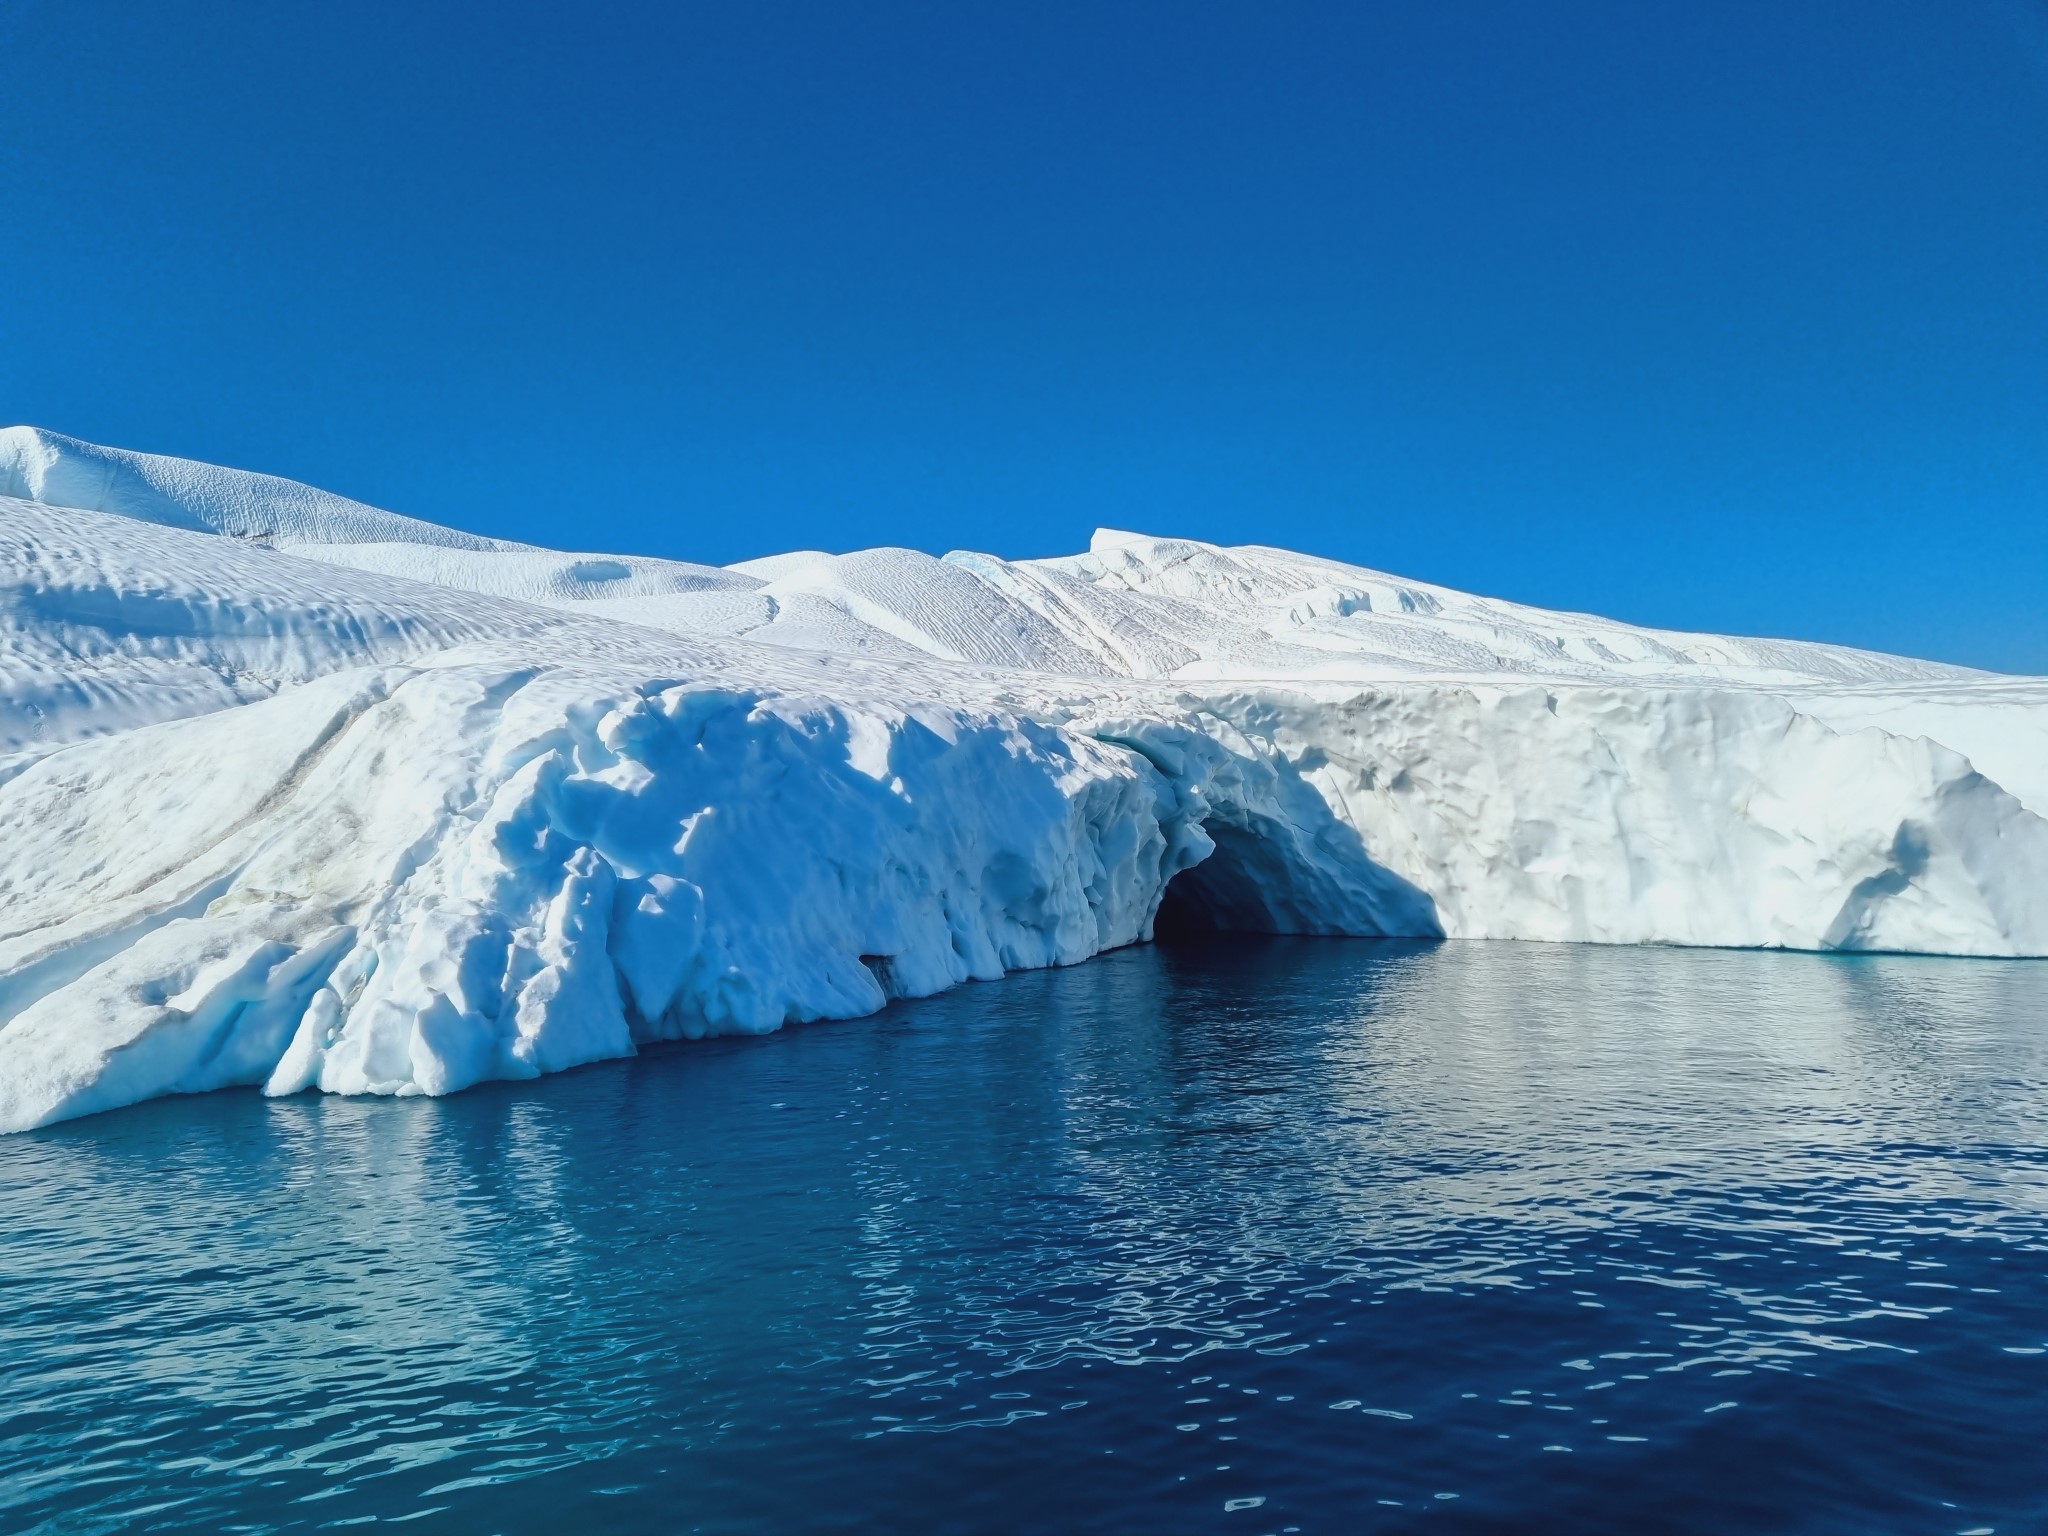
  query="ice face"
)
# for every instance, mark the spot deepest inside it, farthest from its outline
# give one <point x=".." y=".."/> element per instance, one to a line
<point x="297" y="793"/>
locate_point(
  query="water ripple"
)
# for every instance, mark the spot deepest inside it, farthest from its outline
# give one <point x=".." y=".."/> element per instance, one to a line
<point x="1288" y="1237"/>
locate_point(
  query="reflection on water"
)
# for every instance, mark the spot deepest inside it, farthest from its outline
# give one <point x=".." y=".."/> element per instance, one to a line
<point x="1298" y="1235"/>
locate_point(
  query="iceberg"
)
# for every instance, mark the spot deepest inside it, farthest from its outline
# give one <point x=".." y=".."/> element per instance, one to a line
<point x="296" y="793"/>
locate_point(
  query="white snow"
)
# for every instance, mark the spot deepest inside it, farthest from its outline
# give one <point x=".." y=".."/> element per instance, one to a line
<point x="296" y="793"/>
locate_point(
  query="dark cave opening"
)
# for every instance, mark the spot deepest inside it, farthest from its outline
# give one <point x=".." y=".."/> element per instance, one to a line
<point x="1242" y="887"/>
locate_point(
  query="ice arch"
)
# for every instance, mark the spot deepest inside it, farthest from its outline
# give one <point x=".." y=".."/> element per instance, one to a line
<point x="1279" y="859"/>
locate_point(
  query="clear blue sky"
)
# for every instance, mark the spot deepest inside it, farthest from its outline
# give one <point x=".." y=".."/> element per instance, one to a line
<point x="1722" y="314"/>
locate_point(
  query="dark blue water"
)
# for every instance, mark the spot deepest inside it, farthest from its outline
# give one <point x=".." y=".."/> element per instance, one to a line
<point x="1304" y="1236"/>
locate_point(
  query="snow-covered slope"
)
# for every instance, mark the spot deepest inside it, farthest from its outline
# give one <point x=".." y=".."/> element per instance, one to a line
<point x="295" y="792"/>
<point x="48" y="466"/>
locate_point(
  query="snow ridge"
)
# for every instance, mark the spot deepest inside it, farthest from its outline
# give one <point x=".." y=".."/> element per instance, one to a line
<point x="36" y="465"/>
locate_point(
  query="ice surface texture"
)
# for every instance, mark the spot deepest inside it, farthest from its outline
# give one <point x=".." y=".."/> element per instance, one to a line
<point x="299" y="793"/>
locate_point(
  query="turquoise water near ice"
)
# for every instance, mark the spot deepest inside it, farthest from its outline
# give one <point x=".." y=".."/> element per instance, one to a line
<point x="1284" y="1236"/>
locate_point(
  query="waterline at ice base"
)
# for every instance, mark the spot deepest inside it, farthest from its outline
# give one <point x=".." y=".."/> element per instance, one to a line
<point x="296" y="793"/>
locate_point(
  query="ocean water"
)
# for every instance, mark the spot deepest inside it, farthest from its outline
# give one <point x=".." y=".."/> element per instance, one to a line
<point x="1291" y="1236"/>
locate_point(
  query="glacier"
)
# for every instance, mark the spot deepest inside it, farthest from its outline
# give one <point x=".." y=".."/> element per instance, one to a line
<point x="297" y="793"/>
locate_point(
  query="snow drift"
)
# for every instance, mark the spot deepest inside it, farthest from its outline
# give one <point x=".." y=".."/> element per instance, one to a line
<point x="298" y="793"/>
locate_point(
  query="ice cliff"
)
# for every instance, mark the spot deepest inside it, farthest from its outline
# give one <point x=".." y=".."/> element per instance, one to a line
<point x="299" y="793"/>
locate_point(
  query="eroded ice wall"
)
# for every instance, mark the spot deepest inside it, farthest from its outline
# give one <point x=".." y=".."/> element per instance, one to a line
<point x="1594" y="815"/>
<point x="416" y="879"/>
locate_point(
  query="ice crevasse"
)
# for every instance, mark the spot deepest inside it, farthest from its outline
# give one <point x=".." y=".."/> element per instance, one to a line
<point x="296" y="793"/>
